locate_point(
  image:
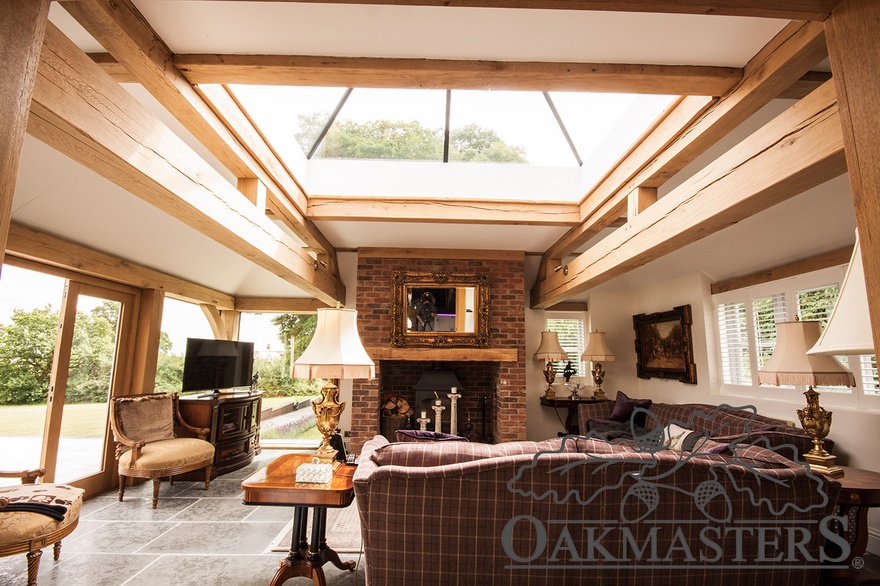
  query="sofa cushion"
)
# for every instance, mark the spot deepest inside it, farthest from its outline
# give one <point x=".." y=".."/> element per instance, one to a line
<point x="442" y="453"/>
<point x="714" y="420"/>
<point x="174" y="453"/>
<point x="624" y="408"/>
<point x="22" y="526"/>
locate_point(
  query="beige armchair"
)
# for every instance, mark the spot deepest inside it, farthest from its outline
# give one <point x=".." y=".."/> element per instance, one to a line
<point x="33" y="516"/>
<point x="149" y="430"/>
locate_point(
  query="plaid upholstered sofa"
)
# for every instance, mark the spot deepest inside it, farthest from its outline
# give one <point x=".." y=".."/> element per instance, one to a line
<point x="722" y="423"/>
<point x="575" y="510"/>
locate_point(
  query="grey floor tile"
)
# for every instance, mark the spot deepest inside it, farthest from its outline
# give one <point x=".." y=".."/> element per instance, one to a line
<point x="264" y="514"/>
<point x="13" y="569"/>
<point x="198" y="570"/>
<point x="116" y="537"/>
<point x="218" y="538"/>
<point x="220" y="487"/>
<point x="141" y="509"/>
<point x="214" y="509"/>
<point x="92" y="569"/>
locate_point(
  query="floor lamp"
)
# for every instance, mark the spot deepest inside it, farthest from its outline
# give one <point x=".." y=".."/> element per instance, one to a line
<point x="335" y="352"/>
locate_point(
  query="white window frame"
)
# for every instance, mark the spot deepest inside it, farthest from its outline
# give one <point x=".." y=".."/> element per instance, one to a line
<point x="854" y="398"/>
<point x="582" y="370"/>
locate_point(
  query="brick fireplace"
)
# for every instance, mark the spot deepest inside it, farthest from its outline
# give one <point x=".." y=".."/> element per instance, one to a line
<point x="494" y="388"/>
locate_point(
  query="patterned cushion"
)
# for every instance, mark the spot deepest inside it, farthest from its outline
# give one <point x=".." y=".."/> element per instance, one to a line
<point x="173" y="453"/>
<point x="19" y="526"/>
<point x="146" y="418"/>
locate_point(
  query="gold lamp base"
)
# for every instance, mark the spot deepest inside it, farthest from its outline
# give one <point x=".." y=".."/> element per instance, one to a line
<point x="550" y="377"/>
<point x="327" y="412"/>
<point x="598" y="377"/>
<point x="816" y="422"/>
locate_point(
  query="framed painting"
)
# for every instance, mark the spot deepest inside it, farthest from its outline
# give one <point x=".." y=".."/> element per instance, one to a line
<point x="664" y="348"/>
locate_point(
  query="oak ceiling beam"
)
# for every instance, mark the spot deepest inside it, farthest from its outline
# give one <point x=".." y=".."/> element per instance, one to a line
<point x="46" y="249"/>
<point x="80" y="111"/>
<point x="786" y="9"/>
<point x="370" y="72"/>
<point x="277" y="305"/>
<point x="123" y="31"/>
<point x="854" y="53"/>
<point x="799" y="149"/>
<point x="21" y="37"/>
<point x="691" y="128"/>
<point x="400" y="209"/>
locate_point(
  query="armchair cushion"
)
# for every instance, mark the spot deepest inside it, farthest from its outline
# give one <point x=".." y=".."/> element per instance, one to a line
<point x="169" y="454"/>
<point x="19" y="526"/>
<point x="147" y="418"/>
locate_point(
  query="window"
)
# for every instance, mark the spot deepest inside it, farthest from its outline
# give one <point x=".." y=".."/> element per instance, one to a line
<point x="570" y="330"/>
<point x="746" y="329"/>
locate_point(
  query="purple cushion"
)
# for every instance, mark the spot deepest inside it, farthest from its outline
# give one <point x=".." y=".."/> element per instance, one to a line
<point x="624" y="407"/>
<point x="409" y="435"/>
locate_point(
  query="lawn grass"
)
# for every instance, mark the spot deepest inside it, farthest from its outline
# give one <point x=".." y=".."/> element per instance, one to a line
<point x="82" y="420"/>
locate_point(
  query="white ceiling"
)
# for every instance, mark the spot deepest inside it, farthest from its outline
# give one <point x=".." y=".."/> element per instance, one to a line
<point x="61" y="197"/>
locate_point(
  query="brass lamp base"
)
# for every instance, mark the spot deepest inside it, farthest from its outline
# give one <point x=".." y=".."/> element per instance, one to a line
<point x="826" y="464"/>
<point x="327" y="412"/>
<point x="598" y="377"/>
<point x="550" y="377"/>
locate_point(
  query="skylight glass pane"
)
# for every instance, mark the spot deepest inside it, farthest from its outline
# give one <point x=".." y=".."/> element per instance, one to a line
<point x="289" y="117"/>
<point x="604" y="126"/>
<point x="522" y="121"/>
<point x="388" y="124"/>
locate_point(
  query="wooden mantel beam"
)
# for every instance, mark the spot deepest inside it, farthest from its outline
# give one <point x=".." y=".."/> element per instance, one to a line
<point x="80" y="111"/>
<point x="369" y="72"/>
<point x="801" y="148"/>
<point x="123" y="31"/>
<point x="785" y="9"/>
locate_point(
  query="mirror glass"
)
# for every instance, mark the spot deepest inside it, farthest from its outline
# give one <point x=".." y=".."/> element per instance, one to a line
<point x="440" y="309"/>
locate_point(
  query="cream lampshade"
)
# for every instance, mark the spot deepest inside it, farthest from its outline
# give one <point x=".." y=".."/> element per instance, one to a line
<point x="791" y="365"/>
<point x="597" y="352"/>
<point x="849" y="327"/>
<point x="550" y="350"/>
<point x="335" y="352"/>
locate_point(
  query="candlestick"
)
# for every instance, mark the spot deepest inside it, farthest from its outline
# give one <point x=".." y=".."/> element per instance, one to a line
<point x="423" y="422"/>
<point x="453" y="411"/>
<point x="424" y="414"/>
<point x="438" y="409"/>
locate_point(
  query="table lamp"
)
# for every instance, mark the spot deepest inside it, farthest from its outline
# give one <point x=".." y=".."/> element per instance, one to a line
<point x="335" y="352"/>
<point x="550" y="350"/>
<point x="597" y="352"/>
<point x="791" y="365"/>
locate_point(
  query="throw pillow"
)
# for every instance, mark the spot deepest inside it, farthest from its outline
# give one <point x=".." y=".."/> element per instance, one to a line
<point x="676" y="436"/>
<point x="412" y="435"/>
<point x="624" y="408"/>
<point x="685" y="440"/>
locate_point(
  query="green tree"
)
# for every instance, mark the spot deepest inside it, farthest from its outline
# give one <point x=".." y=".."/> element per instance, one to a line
<point x="92" y="354"/>
<point x="384" y="139"/>
<point x="169" y="367"/>
<point x="27" y="346"/>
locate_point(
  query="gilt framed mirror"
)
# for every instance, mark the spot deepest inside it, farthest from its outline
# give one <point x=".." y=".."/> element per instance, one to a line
<point x="440" y="310"/>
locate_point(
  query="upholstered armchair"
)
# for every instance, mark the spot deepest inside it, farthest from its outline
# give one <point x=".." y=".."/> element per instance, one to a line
<point x="33" y="516"/>
<point x="151" y="441"/>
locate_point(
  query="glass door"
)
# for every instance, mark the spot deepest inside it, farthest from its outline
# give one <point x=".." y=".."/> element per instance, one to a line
<point x="77" y="444"/>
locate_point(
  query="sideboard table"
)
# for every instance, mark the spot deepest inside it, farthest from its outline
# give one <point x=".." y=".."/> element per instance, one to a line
<point x="859" y="491"/>
<point x="571" y="419"/>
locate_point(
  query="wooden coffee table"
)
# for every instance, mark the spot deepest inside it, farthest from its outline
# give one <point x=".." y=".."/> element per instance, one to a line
<point x="276" y="485"/>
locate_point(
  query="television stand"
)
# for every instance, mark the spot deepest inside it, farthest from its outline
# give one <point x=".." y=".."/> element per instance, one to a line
<point x="234" y="423"/>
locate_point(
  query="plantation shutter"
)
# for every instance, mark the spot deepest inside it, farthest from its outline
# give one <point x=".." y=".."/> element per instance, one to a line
<point x="571" y="338"/>
<point x="733" y="334"/>
<point x="767" y="312"/>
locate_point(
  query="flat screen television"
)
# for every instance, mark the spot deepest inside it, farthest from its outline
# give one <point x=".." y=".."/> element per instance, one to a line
<point x="217" y="365"/>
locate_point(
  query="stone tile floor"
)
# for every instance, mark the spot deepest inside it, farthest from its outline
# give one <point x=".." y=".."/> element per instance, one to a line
<point x="193" y="538"/>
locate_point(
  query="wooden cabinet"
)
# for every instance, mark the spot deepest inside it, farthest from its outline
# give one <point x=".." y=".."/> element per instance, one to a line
<point x="234" y="421"/>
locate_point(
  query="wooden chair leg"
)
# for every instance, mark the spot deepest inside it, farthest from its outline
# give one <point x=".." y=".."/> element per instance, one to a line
<point x="207" y="477"/>
<point x="56" y="551"/>
<point x="121" y="487"/>
<point x="33" y="566"/>
<point x="156" y="483"/>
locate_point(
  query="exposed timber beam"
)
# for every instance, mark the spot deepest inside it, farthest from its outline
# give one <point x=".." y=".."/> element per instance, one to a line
<point x="21" y="37"/>
<point x="125" y="33"/>
<point x="80" y="111"/>
<point x="806" y="84"/>
<point x="830" y="259"/>
<point x="355" y="208"/>
<point x="855" y="59"/>
<point x="786" y="9"/>
<point x="57" y="252"/>
<point x="277" y="305"/>
<point x="691" y="128"/>
<point x="371" y="72"/>
<point x="799" y="149"/>
<point x="225" y="324"/>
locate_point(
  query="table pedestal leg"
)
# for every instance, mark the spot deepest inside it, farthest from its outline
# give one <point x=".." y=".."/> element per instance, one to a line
<point x="305" y="559"/>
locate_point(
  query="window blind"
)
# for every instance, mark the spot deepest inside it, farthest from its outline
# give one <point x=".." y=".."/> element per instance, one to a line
<point x="570" y="332"/>
<point x="733" y="333"/>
